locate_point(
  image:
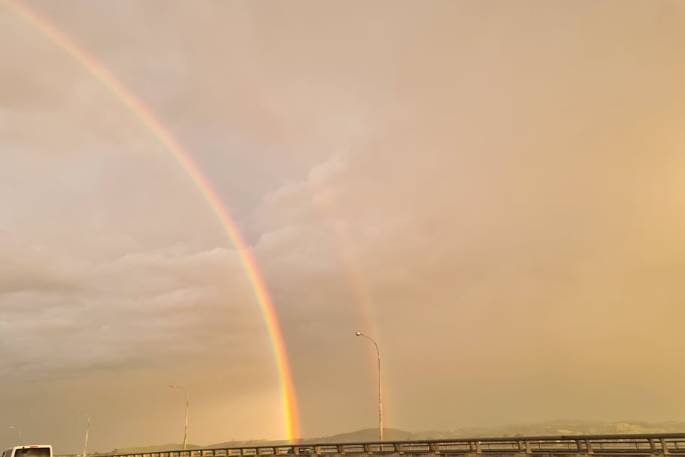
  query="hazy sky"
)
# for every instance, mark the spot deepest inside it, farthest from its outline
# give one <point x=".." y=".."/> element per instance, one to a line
<point x="495" y="190"/>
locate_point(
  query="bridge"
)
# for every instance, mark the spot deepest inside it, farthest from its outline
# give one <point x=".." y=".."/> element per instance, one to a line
<point x="520" y="446"/>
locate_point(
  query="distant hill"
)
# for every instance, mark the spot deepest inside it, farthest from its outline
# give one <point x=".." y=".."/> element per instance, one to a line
<point x="368" y="434"/>
<point x="559" y="427"/>
<point x="153" y="448"/>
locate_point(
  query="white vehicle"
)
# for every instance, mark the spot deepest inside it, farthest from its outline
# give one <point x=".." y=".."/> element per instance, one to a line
<point x="31" y="450"/>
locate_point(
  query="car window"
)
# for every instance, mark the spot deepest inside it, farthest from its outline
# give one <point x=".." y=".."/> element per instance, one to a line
<point x="33" y="452"/>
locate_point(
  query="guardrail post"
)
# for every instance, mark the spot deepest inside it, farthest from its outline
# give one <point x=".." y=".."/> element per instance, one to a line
<point x="434" y="447"/>
<point x="664" y="447"/>
<point x="578" y="446"/>
<point x="588" y="447"/>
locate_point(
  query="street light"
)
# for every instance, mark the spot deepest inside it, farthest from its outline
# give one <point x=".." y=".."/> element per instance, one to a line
<point x="17" y="429"/>
<point x="380" y="391"/>
<point x="85" y="439"/>
<point x="185" y="430"/>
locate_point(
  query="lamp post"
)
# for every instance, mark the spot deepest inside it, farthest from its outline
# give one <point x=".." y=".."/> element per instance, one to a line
<point x="380" y="391"/>
<point x="185" y="430"/>
<point x="17" y="429"/>
<point x="85" y="439"/>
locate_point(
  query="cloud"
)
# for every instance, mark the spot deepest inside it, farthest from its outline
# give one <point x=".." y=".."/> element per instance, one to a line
<point x="64" y="313"/>
<point x="494" y="195"/>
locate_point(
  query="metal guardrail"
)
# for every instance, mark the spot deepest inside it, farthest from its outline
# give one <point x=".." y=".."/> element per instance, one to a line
<point x="603" y="445"/>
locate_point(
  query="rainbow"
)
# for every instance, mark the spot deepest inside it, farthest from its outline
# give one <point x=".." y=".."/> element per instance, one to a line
<point x="148" y="119"/>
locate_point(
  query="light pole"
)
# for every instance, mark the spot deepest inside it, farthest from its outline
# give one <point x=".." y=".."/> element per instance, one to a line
<point x="17" y="429"/>
<point x="185" y="430"/>
<point x="85" y="439"/>
<point x="380" y="391"/>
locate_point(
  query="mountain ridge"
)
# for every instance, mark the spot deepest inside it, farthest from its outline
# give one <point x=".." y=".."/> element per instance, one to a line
<point x="552" y="428"/>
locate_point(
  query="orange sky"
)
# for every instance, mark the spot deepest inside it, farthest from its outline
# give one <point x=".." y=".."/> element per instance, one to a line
<point x="494" y="189"/>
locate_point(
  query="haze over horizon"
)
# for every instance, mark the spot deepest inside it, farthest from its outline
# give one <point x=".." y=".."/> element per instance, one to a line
<point x="494" y="190"/>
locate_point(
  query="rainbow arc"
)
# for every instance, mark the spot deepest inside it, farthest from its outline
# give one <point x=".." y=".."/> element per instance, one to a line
<point x="153" y="124"/>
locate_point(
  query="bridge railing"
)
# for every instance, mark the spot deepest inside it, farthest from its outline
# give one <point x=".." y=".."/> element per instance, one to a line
<point x="604" y="445"/>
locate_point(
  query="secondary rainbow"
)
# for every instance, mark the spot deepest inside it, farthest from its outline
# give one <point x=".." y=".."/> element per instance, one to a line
<point x="167" y="139"/>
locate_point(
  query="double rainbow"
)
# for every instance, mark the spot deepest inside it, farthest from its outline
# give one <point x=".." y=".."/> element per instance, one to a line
<point x="148" y="119"/>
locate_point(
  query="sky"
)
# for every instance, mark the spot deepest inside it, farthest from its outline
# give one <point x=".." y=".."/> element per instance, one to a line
<point x="493" y="190"/>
